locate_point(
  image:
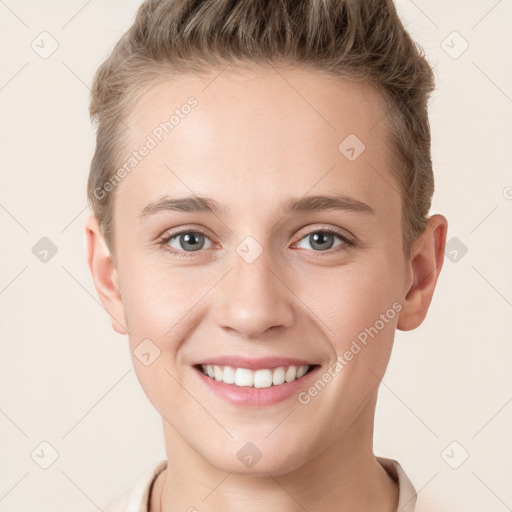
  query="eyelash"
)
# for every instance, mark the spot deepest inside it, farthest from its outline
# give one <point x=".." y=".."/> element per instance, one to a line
<point x="347" y="243"/>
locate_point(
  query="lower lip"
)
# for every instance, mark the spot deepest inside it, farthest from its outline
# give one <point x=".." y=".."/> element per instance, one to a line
<point x="251" y="396"/>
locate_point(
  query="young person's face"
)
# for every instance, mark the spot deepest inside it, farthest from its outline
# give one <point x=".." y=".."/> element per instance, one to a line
<point x="261" y="284"/>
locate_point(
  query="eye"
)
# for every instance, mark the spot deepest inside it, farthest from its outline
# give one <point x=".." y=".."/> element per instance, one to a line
<point x="185" y="241"/>
<point x="323" y="239"/>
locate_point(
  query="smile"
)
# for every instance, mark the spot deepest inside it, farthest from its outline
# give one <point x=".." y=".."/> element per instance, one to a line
<point x="255" y="382"/>
<point x="262" y="378"/>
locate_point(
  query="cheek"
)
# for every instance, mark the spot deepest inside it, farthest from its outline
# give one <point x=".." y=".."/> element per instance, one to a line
<point x="158" y="300"/>
<point x="159" y="305"/>
<point x="358" y="310"/>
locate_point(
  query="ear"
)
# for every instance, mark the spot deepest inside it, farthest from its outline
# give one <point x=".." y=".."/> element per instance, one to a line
<point x="104" y="274"/>
<point x="425" y="266"/>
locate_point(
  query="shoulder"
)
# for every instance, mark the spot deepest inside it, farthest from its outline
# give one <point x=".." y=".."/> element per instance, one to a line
<point x="117" y="504"/>
<point x="135" y="497"/>
<point x="407" y="493"/>
<point x="410" y="500"/>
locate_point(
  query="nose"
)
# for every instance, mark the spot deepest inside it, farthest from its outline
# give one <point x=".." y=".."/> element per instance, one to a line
<point x="253" y="298"/>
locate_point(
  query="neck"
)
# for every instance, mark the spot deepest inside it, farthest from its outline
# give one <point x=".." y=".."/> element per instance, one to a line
<point x="346" y="476"/>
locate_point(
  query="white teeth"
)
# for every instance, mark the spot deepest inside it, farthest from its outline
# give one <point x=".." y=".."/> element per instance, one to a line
<point x="263" y="378"/>
<point x="291" y="374"/>
<point x="258" y="379"/>
<point x="301" y="370"/>
<point x="217" y="372"/>
<point x="229" y="375"/>
<point x="278" y="376"/>
<point x="244" y="377"/>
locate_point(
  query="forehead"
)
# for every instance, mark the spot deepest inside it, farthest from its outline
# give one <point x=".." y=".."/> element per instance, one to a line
<point x="257" y="136"/>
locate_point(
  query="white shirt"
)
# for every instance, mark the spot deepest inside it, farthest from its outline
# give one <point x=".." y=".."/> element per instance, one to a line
<point x="136" y="497"/>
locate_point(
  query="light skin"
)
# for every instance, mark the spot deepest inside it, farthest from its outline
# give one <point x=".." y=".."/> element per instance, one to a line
<point x="256" y="139"/>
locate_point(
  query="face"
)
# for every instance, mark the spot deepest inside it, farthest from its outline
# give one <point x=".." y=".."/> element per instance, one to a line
<point x="261" y="275"/>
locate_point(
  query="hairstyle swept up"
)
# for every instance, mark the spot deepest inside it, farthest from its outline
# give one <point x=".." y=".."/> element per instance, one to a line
<point x="350" y="39"/>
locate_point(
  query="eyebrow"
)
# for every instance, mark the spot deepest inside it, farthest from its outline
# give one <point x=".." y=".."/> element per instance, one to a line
<point x="302" y="204"/>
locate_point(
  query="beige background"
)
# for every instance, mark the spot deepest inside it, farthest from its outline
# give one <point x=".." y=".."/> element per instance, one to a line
<point x="66" y="377"/>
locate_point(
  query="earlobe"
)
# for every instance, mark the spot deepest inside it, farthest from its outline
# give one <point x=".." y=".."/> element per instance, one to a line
<point x="425" y="267"/>
<point x="104" y="274"/>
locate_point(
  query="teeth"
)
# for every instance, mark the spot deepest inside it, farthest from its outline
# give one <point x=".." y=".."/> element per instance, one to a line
<point x="263" y="378"/>
<point x="243" y="377"/>
<point x="258" y="379"/>
<point x="278" y="376"/>
<point x="301" y="370"/>
<point x="291" y="374"/>
<point x="228" y="375"/>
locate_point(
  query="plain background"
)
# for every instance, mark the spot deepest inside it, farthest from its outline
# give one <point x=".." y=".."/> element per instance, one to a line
<point x="66" y="377"/>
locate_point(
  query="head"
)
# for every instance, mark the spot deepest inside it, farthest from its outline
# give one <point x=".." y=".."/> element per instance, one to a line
<point x="259" y="107"/>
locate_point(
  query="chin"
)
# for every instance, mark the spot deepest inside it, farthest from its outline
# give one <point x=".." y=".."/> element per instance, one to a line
<point x="249" y="460"/>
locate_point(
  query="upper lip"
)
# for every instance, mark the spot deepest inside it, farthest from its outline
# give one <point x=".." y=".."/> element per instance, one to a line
<point x="254" y="363"/>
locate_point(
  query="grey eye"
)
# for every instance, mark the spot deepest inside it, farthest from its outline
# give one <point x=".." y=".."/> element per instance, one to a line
<point x="189" y="241"/>
<point x="321" y="240"/>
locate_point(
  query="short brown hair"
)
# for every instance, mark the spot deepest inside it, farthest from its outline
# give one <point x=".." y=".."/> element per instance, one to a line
<point x="362" y="40"/>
